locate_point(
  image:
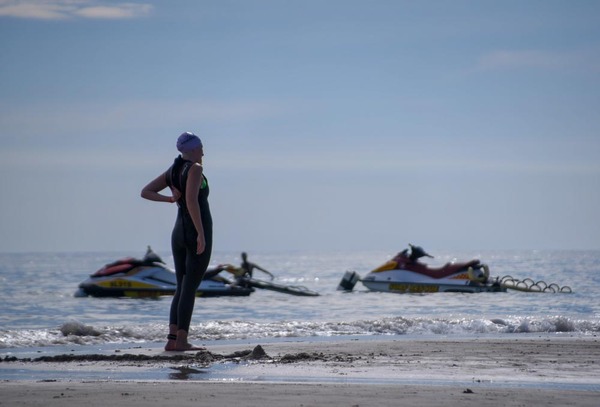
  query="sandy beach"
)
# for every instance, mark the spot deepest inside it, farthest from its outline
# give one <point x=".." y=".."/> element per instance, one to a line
<point x="348" y="372"/>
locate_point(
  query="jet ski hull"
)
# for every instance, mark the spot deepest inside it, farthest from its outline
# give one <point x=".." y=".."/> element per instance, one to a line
<point x="403" y="281"/>
<point x="403" y="287"/>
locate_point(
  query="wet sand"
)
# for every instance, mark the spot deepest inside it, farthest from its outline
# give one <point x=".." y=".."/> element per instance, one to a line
<point x="358" y="372"/>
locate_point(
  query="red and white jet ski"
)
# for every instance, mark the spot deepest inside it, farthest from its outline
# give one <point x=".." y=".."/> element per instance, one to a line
<point x="406" y="274"/>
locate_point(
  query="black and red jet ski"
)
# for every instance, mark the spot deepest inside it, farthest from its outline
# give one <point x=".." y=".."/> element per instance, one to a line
<point x="151" y="277"/>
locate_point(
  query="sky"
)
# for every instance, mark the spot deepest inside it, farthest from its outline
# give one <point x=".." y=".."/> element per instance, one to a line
<point x="327" y="124"/>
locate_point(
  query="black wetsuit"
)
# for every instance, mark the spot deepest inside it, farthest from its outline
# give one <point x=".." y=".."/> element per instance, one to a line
<point x="189" y="266"/>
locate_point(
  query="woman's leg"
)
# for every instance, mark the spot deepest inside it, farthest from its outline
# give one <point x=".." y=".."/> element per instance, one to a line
<point x="179" y="258"/>
<point x="195" y="267"/>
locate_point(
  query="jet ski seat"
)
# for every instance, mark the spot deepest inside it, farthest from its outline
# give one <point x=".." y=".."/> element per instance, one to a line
<point x="441" y="272"/>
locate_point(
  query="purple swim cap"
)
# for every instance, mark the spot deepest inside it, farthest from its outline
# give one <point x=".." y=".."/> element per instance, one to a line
<point x="188" y="142"/>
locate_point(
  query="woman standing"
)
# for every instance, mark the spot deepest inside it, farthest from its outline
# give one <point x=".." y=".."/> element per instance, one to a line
<point x="191" y="240"/>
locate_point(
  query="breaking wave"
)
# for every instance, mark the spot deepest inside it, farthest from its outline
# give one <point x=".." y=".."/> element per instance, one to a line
<point x="77" y="333"/>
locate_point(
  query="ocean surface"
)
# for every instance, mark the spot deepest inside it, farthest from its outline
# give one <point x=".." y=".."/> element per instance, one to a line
<point x="38" y="307"/>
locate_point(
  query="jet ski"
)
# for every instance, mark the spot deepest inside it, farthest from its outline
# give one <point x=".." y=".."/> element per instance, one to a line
<point x="406" y="274"/>
<point x="151" y="277"/>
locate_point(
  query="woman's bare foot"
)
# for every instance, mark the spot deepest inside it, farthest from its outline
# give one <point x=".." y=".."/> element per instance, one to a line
<point x="171" y="342"/>
<point x="189" y="347"/>
<point x="171" y="345"/>
<point x="182" y="344"/>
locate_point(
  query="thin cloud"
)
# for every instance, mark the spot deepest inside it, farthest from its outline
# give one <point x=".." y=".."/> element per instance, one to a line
<point x="588" y="60"/>
<point x="330" y="161"/>
<point x="70" y="9"/>
<point x="520" y="59"/>
<point x="116" y="117"/>
<point x="125" y="10"/>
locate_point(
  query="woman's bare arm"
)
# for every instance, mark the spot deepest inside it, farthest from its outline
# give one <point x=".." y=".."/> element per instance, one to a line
<point x="152" y="190"/>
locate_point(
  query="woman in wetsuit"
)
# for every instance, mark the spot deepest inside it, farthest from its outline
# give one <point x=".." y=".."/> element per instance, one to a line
<point x="191" y="240"/>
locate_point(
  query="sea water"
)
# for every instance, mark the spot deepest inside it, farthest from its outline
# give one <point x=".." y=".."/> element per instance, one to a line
<point x="38" y="307"/>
